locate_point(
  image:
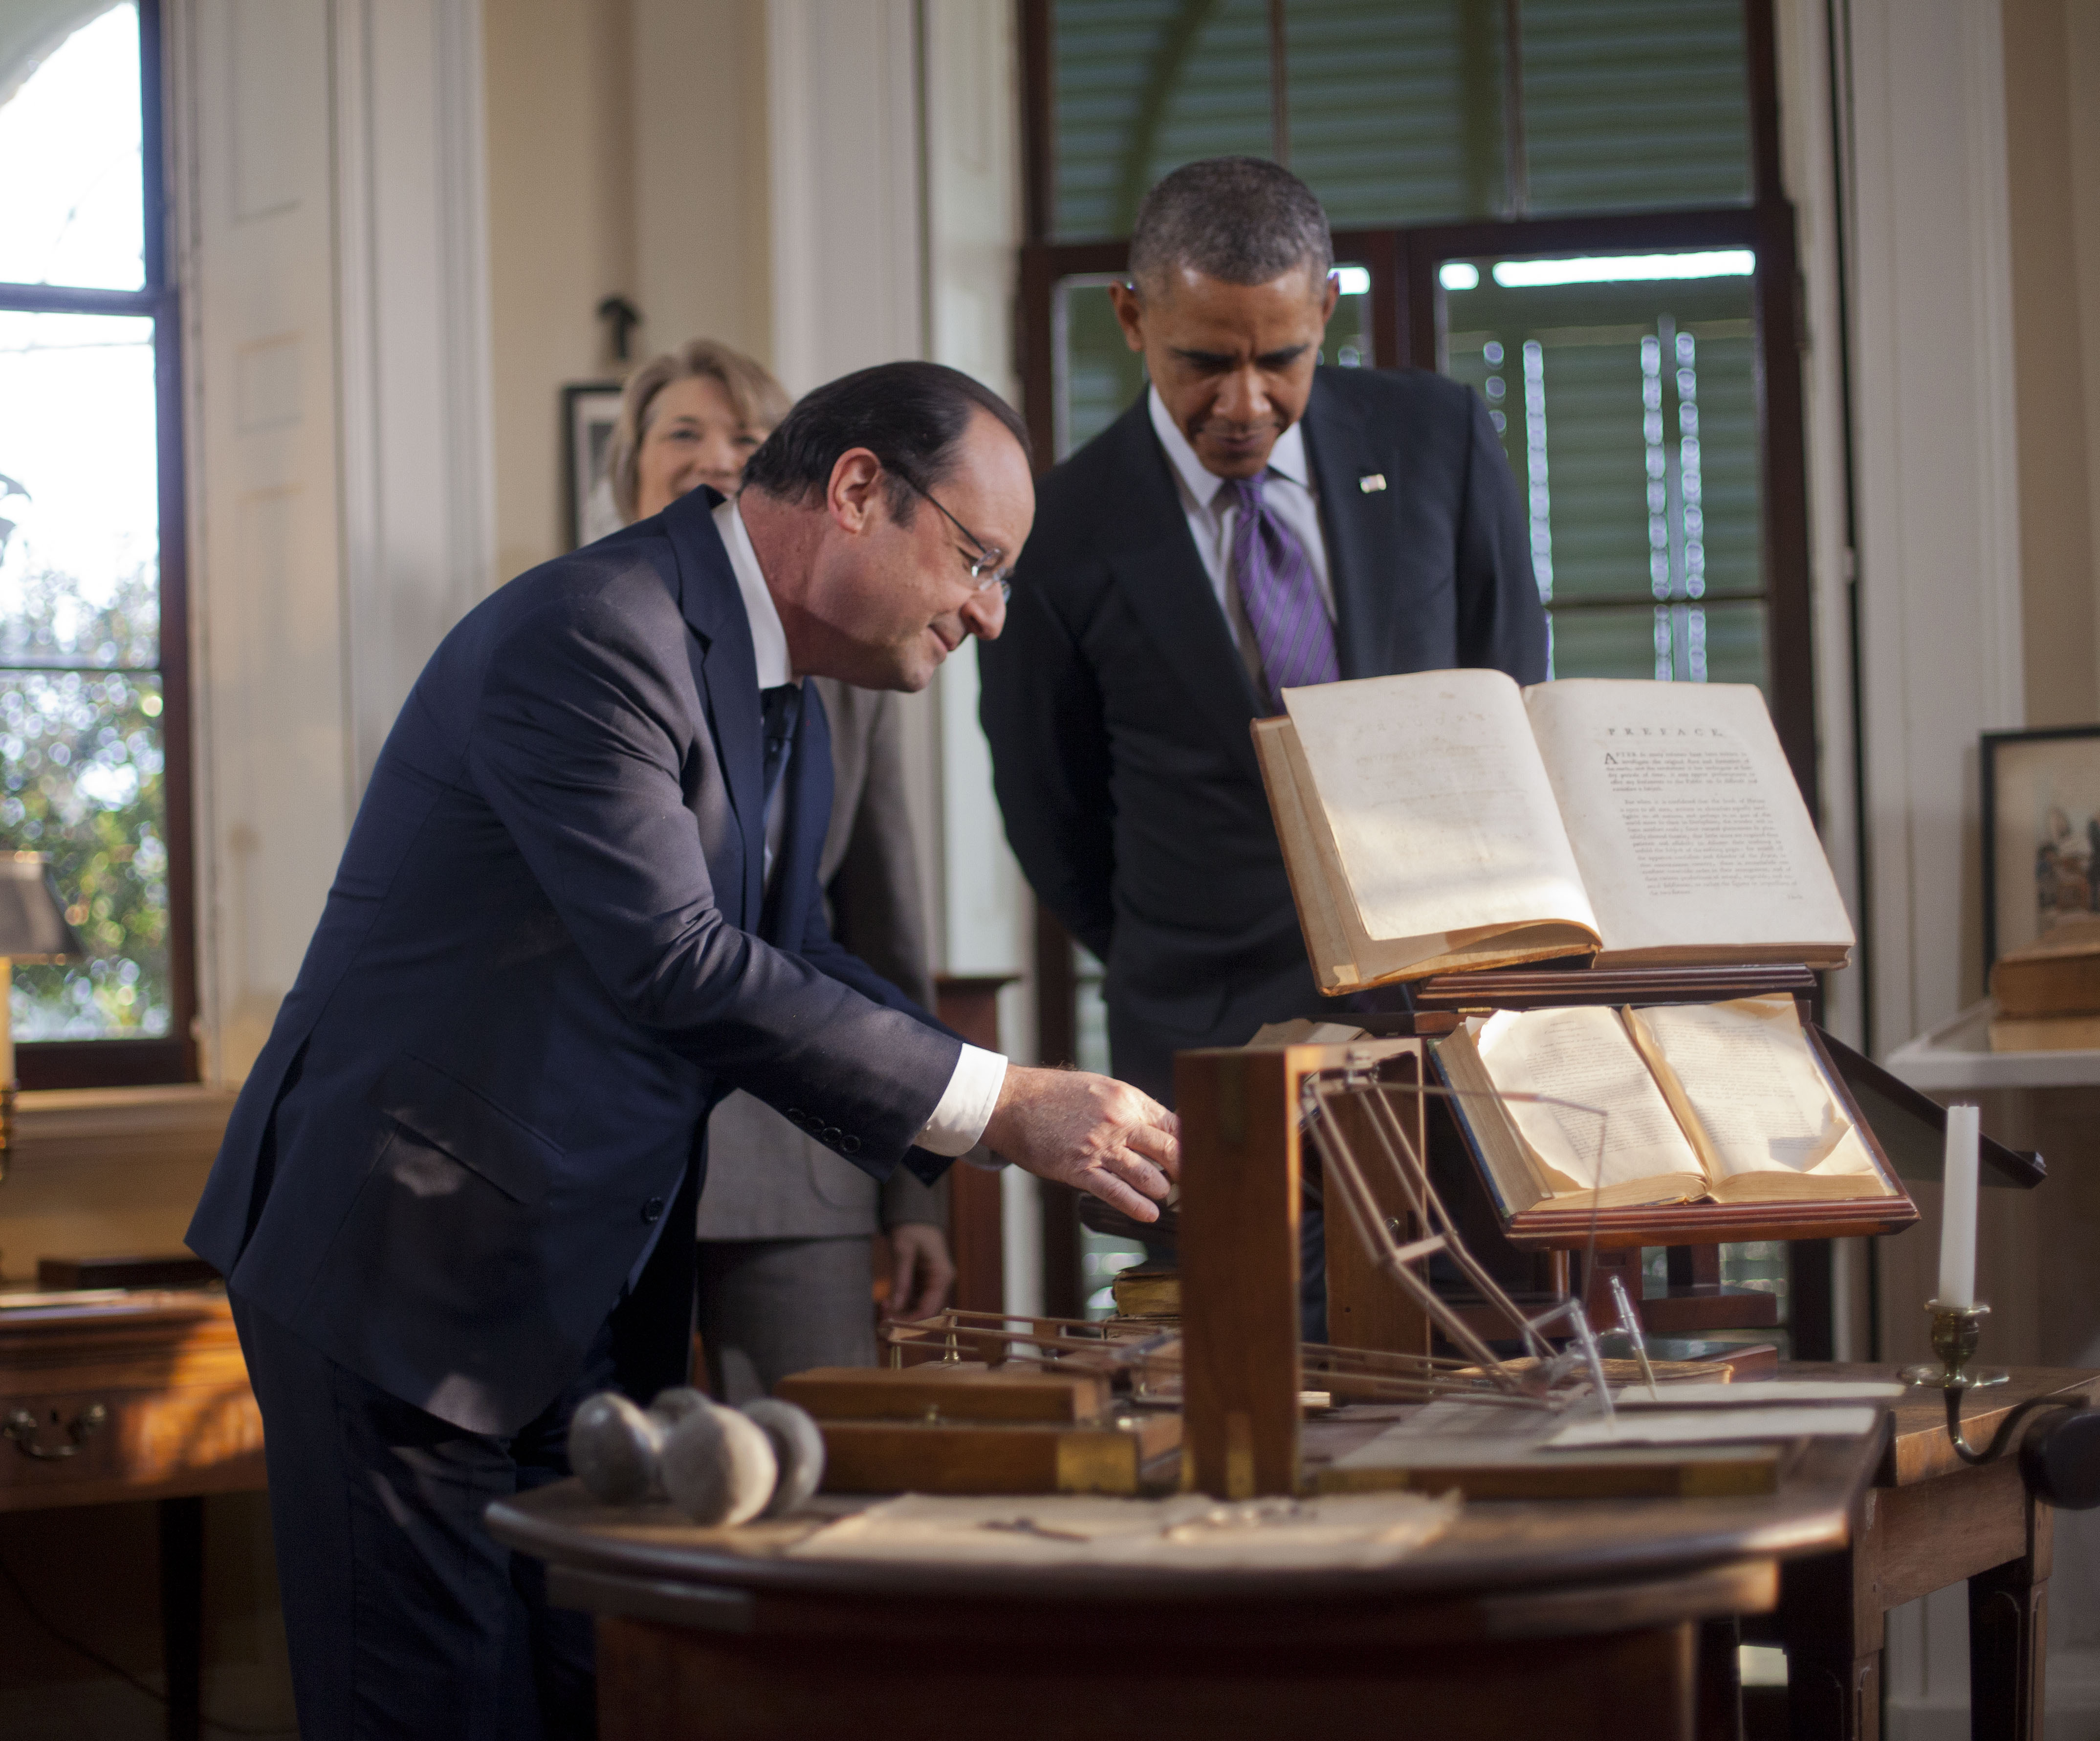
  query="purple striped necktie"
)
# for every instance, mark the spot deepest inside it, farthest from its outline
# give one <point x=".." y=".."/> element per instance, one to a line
<point x="1281" y="599"/>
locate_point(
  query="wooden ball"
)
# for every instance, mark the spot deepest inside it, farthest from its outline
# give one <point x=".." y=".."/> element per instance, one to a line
<point x="674" y="1405"/>
<point x="718" y="1467"/>
<point x="798" y="1447"/>
<point x="614" y="1449"/>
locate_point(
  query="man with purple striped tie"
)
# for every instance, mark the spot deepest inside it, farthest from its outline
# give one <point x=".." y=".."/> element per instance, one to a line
<point x="1255" y="522"/>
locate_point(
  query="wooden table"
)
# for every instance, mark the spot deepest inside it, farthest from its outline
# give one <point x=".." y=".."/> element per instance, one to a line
<point x="1929" y="1520"/>
<point x="1580" y="1619"/>
<point x="142" y="1397"/>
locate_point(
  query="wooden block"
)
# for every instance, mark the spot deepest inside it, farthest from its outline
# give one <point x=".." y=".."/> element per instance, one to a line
<point x="895" y="1456"/>
<point x="946" y="1390"/>
<point x="1239" y="1268"/>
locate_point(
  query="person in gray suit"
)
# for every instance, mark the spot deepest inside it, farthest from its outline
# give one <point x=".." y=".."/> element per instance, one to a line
<point x="785" y="1225"/>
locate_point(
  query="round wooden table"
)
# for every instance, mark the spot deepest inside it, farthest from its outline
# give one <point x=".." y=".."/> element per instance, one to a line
<point x="1572" y="1619"/>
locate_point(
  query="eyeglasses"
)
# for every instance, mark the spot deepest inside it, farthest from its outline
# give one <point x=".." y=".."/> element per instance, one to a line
<point x="984" y="566"/>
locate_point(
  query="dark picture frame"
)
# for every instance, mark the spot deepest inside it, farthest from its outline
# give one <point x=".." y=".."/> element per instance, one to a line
<point x="2041" y="801"/>
<point x="588" y="411"/>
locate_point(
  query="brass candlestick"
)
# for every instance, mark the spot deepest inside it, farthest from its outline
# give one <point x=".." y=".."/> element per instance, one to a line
<point x="1955" y="1331"/>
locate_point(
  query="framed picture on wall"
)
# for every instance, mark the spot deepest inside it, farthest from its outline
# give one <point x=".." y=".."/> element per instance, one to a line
<point x="588" y="411"/>
<point x="2041" y="832"/>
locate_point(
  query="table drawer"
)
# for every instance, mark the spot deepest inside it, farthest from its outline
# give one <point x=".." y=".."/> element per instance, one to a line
<point x="89" y="1446"/>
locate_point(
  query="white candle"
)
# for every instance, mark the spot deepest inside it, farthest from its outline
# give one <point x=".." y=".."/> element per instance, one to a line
<point x="1957" y="1210"/>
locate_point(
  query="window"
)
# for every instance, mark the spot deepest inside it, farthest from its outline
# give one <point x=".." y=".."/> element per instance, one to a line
<point x="93" y="702"/>
<point x="1571" y="205"/>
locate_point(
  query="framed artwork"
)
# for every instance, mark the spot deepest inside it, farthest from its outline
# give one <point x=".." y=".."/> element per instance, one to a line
<point x="2041" y="832"/>
<point x="589" y="410"/>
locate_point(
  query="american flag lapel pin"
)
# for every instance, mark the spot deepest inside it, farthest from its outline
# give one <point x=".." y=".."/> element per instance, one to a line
<point x="1371" y="482"/>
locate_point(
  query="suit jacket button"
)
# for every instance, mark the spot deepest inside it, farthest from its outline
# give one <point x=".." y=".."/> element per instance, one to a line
<point x="652" y="1211"/>
<point x="849" y="1145"/>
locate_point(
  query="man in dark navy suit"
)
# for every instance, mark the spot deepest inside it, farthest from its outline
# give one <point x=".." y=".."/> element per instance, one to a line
<point x="578" y="906"/>
<point x="1254" y="523"/>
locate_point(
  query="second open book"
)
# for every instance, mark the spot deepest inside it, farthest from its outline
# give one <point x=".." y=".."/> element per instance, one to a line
<point x="1727" y="1101"/>
<point x="1449" y="820"/>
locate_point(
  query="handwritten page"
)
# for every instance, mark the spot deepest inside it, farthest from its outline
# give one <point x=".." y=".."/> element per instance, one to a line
<point x="1684" y="816"/>
<point x="1440" y="810"/>
<point x="1584" y="1055"/>
<point x="1743" y="1071"/>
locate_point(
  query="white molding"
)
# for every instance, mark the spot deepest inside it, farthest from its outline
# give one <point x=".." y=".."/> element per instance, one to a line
<point x="1990" y="255"/>
<point x="842" y="113"/>
<point x="1940" y="593"/>
<point x="416" y="457"/>
<point x="328" y="209"/>
<point x="1809" y="165"/>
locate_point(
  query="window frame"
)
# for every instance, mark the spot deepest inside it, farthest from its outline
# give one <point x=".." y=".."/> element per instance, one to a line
<point x="1403" y="263"/>
<point x="170" y="1058"/>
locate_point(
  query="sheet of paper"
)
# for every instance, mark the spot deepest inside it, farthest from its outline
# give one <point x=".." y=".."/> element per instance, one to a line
<point x="1684" y="816"/>
<point x="1189" y="1532"/>
<point x="1760" y="1393"/>
<point x="1440" y="810"/>
<point x="1451" y="1434"/>
<point x="1584" y="1055"/>
<point x="1746" y="1071"/>
<point x="1714" y="1426"/>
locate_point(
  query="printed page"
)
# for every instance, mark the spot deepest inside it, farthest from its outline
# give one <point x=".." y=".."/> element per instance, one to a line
<point x="1743" y="1079"/>
<point x="1442" y="817"/>
<point x="1583" y="1055"/>
<point x="1684" y="816"/>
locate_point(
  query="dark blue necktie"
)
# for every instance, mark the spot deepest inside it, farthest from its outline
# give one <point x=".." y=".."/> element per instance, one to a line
<point x="781" y="706"/>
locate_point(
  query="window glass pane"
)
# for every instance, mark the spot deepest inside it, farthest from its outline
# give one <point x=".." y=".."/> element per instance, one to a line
<point x="1347" y="343"/>
<point x="1397" y="109"/>
<point x="1096" y="374"/>
<point x="80" y="705"/>
<point x="71" y="187"/>
<point x="1635" y="104"/>
<point x="82" y="753"/>
<point x="1625" y="396"/>
<point x="1143" y="86"/>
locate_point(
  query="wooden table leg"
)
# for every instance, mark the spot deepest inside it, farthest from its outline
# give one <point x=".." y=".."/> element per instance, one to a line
<point x="1830" y="1617"/>
<point x="1720" y="1679"/>
<point x="2009" y="1638"/>
<point x="182" y="1614"/>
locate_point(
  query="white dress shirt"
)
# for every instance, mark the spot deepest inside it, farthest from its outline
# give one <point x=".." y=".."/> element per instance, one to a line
<point x="1287" y="490"/>
<point x="965" y="1109"/>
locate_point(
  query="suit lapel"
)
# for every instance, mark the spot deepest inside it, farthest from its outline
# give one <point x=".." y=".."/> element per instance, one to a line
<point x="727" y="672"/>
<point x="1362" y="536"/>
<point x="1157" y="567"/>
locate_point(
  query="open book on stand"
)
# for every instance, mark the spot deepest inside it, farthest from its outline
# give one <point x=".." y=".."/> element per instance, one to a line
<point x="1448" y="820"/>
<point x="1722" y="1101"/>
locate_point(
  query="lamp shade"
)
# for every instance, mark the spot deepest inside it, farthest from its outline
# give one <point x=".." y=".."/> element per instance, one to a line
<point x="32" y="921"/>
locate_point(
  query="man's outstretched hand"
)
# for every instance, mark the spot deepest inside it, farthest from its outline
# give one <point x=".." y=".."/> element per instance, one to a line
<point x="1079" y="1129"/>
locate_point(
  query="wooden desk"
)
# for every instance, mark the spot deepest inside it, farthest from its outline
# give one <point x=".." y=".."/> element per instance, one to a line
<point x="1581" y="1618"/>
<point x="1927" y="1521"/>
<point x="144" y="1397"/>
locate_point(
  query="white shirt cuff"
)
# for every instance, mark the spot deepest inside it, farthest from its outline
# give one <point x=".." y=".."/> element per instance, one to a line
<point x="959" y="1121"/>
